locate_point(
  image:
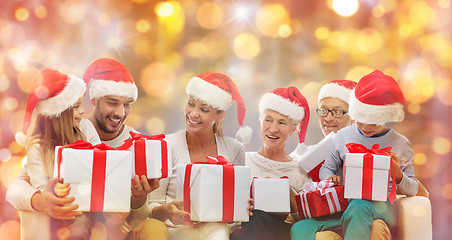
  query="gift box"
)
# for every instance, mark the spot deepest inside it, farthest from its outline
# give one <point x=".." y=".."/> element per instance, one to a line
<point x="214" y="191"/>
<point x="271" y="195"/>
<point x="151" y="155"/>
<point x="320" y="199"/>
<point x="367" y="172"/>
<point x="311" y="161"/>
<point x="99" y="176"/>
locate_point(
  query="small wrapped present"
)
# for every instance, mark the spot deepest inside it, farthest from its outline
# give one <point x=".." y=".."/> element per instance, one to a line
<point x="214" y="191"/>
<point x="151" y="155"/>
<point x="99" y="176"/>
<point x="367" y="172"/>
<point x="311" y="161"/>
<point x="320" y="199"/>
<point x="271" y="194"/>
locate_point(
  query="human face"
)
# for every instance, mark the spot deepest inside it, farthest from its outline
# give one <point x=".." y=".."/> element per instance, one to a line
<point x="200" y="117"/>
<point x="370" y="130"/>
<point x="276" y="129"/>
<point x="329" y="123"/>
<point x="77" y="112"/>
<point x="110" y="112"/>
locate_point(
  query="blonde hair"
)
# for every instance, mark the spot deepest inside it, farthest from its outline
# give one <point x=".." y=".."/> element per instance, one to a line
<point x="50" y="132"/>
<point x="218" y="128"/>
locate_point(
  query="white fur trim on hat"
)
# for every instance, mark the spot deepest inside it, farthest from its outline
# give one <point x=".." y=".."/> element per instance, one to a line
<point x="100" y="88"/>
<point x="281" y="105"/>
<point x="375" y="114"/>
<point x="334" y="90"/>
<point x="54" y="106"/>
<point x="244" y="134"/>
<point x="209" y="93"/>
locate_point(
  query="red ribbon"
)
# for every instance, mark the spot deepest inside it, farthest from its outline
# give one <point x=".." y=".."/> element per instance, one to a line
<point x="140" y="151"/>
<point x="228" y="186"/>
<point x="315" y="172"/>
<point x="368" y="167"/>
<point x="99" y="170"/>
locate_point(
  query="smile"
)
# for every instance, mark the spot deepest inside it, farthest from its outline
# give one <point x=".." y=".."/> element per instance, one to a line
<point x="193" y="122"/>
<point x="272" y="137"/>
<point x="114" y="120"/>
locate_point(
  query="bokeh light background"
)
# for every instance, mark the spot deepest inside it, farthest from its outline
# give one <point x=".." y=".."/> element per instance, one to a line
<point x="260" y="44"/>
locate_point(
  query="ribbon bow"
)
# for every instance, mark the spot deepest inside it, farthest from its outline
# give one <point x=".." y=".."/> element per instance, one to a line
<point x="138" y="136"/>
<point x="324" y="186"/>
<point x="220" y="160"/>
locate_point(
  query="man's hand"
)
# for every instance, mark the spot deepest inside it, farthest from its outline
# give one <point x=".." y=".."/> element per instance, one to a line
<point x="48" y="203"/>
<point x="172" y="212"/>
<point x="398" y="171"/>
<point x="336" y="180"/>
<point x="141" y="190"/>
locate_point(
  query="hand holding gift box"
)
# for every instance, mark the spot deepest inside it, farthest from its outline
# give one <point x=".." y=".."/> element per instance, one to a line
<point x="271" y="194"/>
<point x="151" y="155"/>
<point x="311" y="161"/>
<point x="99" y="176"/>
<point x="320" y="199"/>
<point x="214" y="191"/>
<point x="367" y="172"/>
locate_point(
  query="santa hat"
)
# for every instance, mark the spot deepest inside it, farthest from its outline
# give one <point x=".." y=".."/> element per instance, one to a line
<point x="219" y="91"/>
<point x="109" y="77"/>
<point x="52" y="94"/>
<point x="340" y="89"/>
<point x="289" y="102"/>
<point x="377" y="99"/>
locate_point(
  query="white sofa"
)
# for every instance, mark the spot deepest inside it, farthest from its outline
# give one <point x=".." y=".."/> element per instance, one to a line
<point x="415" y="218"/>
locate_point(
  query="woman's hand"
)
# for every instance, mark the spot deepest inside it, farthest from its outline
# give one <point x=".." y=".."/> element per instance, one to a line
<point x="336" y="180"/>
<point x="141" y="190"/>
<point x="250" y="206"/>
<point x="172" y="212"/>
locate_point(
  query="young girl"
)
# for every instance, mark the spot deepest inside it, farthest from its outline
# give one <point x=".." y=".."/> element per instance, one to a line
<point x="56" y="101"/>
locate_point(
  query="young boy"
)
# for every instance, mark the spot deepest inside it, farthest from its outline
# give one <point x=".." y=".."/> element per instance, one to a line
<point x="377" y="100"/>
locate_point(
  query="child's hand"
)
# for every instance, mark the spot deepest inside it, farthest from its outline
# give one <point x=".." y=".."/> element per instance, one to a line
<point x="250" y="206"/>
<point x="398" y="171"/>
<point x="336" y="180"/>
<point x="61" y="190"/>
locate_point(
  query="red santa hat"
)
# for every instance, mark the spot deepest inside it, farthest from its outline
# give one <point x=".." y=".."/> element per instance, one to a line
<point x="377" y="99"/>
<point x="289" y="102"/>
<point x="341" y="89"/>
<point x="219" y="91"/>
<point x="109" y="77"/>
<point x="51" y="94"/>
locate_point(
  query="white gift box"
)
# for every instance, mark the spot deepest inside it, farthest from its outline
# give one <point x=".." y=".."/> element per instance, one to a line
<point x="271" y="194"/>
<point x="363" y="181"/>
<point x="316" y="154"/>
<point x="114" y="167"/>
<point x="207" y="199"/>
<point x="151" y="158"/>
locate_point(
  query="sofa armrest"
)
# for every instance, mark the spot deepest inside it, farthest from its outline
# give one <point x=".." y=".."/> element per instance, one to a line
<point x="415" y="218"/>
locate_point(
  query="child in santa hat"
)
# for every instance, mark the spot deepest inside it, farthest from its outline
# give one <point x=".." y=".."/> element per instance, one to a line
<point x="377" y="100"/>
<point x="209" y="96"/>
<point x="55" y="100"/>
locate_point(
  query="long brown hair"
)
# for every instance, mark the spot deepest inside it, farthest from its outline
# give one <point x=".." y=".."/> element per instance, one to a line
<point x="50" y="132"/>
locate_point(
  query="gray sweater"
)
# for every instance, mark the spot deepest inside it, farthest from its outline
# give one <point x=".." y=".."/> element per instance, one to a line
<point x="399" y="143"/>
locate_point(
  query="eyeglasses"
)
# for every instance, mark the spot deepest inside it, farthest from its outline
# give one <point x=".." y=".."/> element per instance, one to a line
<point x="335" y="113"/>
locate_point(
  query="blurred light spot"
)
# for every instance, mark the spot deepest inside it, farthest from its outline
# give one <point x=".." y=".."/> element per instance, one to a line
<point x="322" y="33"/>
<point x="143" y="26"/>
<point x="5" y="154"/>
<point x="15" y="147"/>
<point x="114" y="42"/>
<point x="419" y="85"/>
<point x="284" y="31"/>
<point x="155" y="125"/>
<point x="9" y="170"/>
<point x="10" y="104"/>
<point x="22" y="14"/>
<point x="444" y="3"/>
<point x="104" y="20"/>
<point x="194" y="49"/>
<point x="420" y="14"/>
<point x="378" y="11"/>
<point x="140" y="1"/>
<point x="389" y="5"/>
<point x="4" y="83"/>
<point x="242" y="12"/>
<point x="72" y="11"/>
<point x="419" y="211"/>
<point x="11" y="34"/>
<point x="209" y="15"/>
<point x="214" y="46"/>
<point x="99" y="231"/>
<point x="414" y="108"/>
<point x="270" y="17"/>
<point x="405" y="30"/>
<point x="40" y="12"/>
<point x="10" y="230"/>
<point x="329" y="55"/>
<point x="447" y="191"/>
<point x="369" y="41"/>
<point x="164" y="9"/>
<point x="246" y="46"/>
<point x="419" y="159"/>
<point x="443" y="92"/>
<point x="356" y="73"/>
<point x="441" y="145"/>
<point x="157" y="79"/>
<point x="345" y="8"/>
<point x="134" y="120"/>
<point x="26" y="79"/>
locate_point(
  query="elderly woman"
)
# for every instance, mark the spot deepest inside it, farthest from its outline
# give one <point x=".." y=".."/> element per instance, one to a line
<point x="282" y="111"/>
<point x="209" y="95"/>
